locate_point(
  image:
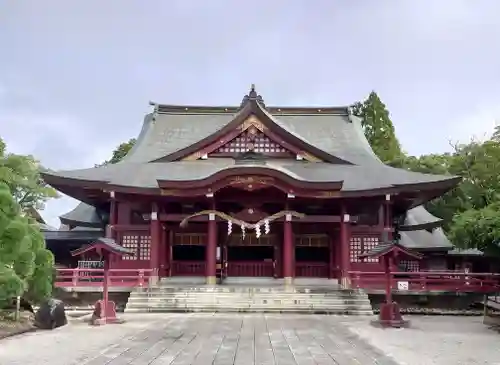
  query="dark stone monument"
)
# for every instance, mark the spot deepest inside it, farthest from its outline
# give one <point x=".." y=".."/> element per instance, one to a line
<point x="51" y="314"/>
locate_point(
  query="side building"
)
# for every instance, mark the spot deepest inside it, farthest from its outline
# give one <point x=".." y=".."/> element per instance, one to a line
<point x="278" y="192"/>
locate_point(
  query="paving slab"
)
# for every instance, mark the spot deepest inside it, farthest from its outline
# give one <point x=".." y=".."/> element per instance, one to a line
<point x="256" y="338"/>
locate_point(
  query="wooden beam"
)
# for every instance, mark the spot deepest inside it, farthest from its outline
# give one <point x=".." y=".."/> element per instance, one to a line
<point x="306" y="219"/>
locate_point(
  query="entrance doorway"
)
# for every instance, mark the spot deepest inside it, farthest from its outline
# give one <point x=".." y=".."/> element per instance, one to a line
<point x="188" y="254"/>
<point x="312" y="256"/>
<point x="251" y="256"/>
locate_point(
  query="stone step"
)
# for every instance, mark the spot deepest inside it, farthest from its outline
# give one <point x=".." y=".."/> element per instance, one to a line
<point x="256" y="297"/>
<point x="243" y="295"/>
<point x="234" y="298"/>
<point x="246" y="304"/>
<point x="247" y="290"/>
<point x="333" y="311"/>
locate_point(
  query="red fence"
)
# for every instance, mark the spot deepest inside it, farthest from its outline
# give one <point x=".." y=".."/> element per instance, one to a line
<point x="311" y="269"/>
<point x="66" y="278"/>
<point x="188" y="268"/>
<point x="250" y="268"/>
<point x="427" y="281"/>
<point x="400" y="281"/>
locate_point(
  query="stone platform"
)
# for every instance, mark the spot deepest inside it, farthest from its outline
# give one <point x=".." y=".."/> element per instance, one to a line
<point x="242" y="295"/>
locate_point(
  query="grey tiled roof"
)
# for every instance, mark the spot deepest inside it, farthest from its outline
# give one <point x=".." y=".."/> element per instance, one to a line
<point x="83" y="215"/>
<point x="419" y="218"/>
<point x="336" y="132"/>
<point x="339" y="134"/>
<point x="163" y="134"/>
<point x="355" y="177"/>
<point x="423" y="239"/>
<point x="466" y="252"/>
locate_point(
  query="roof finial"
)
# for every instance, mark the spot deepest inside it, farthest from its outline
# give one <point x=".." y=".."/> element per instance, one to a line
<point x="252" y="95"/>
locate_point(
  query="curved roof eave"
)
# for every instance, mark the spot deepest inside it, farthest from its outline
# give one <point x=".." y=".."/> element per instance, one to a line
<point x="419" y="218"/>
<point x="83" y="215"/>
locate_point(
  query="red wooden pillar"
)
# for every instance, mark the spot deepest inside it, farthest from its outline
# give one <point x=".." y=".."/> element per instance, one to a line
<point x="211" y="251"/>
<point x="113" y="216"/>
<point x="345" y="259"/>
<point x="388" y="216"/>
<point x="288" y="251"/>
<point x="156" y="233"/>
<point x="113" y="221"/>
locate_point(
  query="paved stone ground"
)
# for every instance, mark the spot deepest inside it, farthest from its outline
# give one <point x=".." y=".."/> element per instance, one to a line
<point x="435" y="340"/>
<point x="245" y="339"/>
<point x="182" y="339"/>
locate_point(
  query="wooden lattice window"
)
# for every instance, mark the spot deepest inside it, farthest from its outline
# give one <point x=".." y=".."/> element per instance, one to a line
<point x="190" y="239"/>
<point x="140" y="245"/>
<point x="252" y="140"/>
<point x="356" y="248"/>
<point x="409" y="265"/>
<point x="251" y="240"/>
<point x="145" y="248"/>
<point x="360" y="245"/>
<point x="312" y="240"/>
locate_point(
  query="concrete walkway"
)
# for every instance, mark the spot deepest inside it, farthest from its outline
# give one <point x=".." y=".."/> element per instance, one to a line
<point x="262" y="339"/>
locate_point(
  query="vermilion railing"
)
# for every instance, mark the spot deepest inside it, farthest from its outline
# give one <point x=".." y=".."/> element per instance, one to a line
<point x="427" y="281"/>
<point x="188" y="268"/>
<point x="66" y="278"/>
<point x="311" y="269"/>
<point x="250" y="268"/>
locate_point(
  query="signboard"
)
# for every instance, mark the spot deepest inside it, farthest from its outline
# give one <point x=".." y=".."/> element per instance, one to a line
<point x="403" y="285"/>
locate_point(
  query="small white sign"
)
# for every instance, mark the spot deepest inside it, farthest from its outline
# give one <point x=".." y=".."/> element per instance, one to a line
<point x="403" y="285"/>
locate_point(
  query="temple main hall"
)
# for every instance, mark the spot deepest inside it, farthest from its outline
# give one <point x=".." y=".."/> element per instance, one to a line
<point x="247" y="191"/>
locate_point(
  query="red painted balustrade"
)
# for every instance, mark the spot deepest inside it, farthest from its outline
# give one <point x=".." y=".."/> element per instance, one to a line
<point x="188" y="268"/>
<point x="66" y="278"/>
<point x="250" y="268"/>
<point x="311" y="269"/>
<point x="428" y="281"/>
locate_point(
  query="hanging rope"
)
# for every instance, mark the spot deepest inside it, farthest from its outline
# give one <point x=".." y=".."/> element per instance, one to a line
<point x="241" y="223"/>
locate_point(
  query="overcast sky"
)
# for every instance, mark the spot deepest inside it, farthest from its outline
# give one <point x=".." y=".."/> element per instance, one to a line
<point x="76" y="76"/>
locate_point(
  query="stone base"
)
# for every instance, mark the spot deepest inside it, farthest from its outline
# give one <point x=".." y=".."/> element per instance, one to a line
<point x="288" y="281"/>
<point x="154" y="280"/>
<point x="211" y="280"/>
<point x="345" y="283"/>
<point x="390" y="317"/>
<point x="103" y="321"/>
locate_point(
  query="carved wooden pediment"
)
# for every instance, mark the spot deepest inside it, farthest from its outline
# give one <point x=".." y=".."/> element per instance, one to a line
<point x="251" y="183"/>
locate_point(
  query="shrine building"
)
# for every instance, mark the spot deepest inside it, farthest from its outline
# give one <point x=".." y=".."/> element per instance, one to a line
<point x="253" y="191"/>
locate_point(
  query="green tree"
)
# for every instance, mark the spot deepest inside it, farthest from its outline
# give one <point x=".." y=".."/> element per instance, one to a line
<point x="25" y="263"/>
<point x="22" y="175"/>
<point x="120" y="152"/>
<point x="478" y="228"/>
<point x="378" y="129"/>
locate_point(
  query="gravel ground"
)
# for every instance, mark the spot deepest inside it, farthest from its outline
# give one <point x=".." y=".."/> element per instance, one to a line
<point x="434" y="340"/>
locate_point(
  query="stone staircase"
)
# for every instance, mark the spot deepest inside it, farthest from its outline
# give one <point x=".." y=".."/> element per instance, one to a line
<point x="249" y="296"/>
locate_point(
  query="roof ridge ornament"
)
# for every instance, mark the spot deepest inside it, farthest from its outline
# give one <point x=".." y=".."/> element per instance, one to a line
<point x="252" y="96"/>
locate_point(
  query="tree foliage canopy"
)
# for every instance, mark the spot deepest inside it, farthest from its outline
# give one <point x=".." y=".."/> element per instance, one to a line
<point x="378" y="128"/>
<point x="22" y="175"/>
<point x="121" y="151"/>
<point x="25" y="264"/>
